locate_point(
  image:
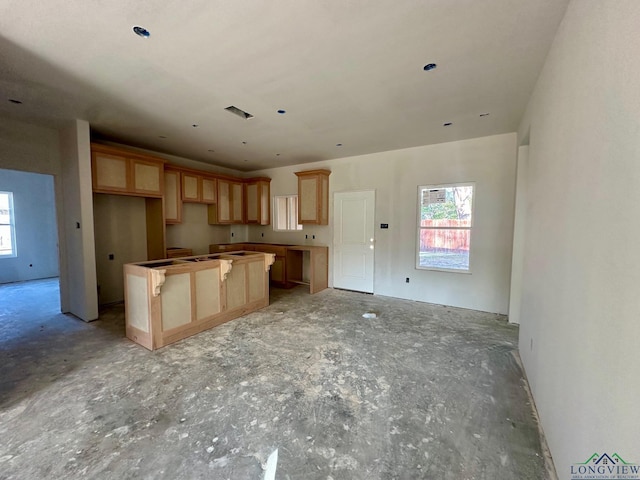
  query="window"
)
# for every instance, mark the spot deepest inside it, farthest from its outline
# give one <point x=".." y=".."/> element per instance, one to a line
<point x="444" y="227"/>
<point x="7" y="227"/>
<point x="285" y="213"/>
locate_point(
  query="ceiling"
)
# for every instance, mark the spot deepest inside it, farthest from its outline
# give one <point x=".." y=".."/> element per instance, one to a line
<point x="346" y="72"/>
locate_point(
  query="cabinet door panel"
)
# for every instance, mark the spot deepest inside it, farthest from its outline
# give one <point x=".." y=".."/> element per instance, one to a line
<point x="208" y="190"/>
<point x="172" y="197"/>
<point x="252" y="202"/>
<point x="224" y="202"/>
<point x="237" y="202"/>
<point x="191" y="188"/>
<point x="308" y="198"/>
<point x="147" y="177"/>
<point x="110" y="172"/>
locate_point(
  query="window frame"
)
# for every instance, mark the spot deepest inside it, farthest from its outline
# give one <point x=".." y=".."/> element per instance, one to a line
<point x="12" y="227"/>
<point x="470" y="228"/>
<point x="292" y="217"/>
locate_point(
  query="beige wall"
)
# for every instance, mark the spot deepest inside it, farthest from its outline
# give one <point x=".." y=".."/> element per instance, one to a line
<point x="580" y="304"/>
<point x="120" y="230"/>
<point x="489" y="162"/>
<point x="194" y="232"/>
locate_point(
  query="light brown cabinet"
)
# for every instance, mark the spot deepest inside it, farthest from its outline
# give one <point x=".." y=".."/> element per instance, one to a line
<point x="313" y="197"/>
<point x="257" y="204"/>
<point x="172" y="196"/>
<point x="198" y="188"/>
<point x="121" y="172"/>
<point x="293" y="265"/>
<point x="209" y="190"/>
<point x="124" y="173"/>
<point x="230" y="206"/>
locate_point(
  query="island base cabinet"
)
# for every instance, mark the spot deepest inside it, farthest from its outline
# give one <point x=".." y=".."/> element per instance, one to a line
<point x="174" y="299"/>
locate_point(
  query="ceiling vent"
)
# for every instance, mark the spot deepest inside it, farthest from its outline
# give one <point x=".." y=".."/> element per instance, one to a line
<point x="238" y="112"/>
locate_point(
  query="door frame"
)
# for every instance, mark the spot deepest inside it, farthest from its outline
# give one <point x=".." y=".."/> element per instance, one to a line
<point x="333" y="211"/>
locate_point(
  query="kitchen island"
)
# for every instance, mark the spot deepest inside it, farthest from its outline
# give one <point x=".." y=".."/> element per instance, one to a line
<point x="168" y="300"/>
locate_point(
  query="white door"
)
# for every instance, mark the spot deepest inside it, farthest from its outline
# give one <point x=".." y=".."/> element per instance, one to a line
<point x="353" y="241"/>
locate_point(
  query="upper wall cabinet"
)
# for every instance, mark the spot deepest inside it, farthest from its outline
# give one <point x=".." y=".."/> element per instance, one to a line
<point x="198" y="188"/>
<point x="256" y="200"/>
<point x="313" y="197"/>
<point x="125" y="173"/>
<point x="172" y="196"/>
<point x="230" y="206"/>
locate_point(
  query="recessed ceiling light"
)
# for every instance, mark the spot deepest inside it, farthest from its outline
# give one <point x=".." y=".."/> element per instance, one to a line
<point x="141" y="32"/>
<point x="282" y="112"/>
<point x="338" y="144"/>
<point x="448" y="124"/>
<point x="484" y="114"/>
<point x="13" y="100"/>
<point x="429" y="66"/>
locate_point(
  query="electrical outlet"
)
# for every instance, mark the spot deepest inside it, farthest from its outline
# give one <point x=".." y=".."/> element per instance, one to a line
<point x="313" y="237"/>
<point x="407" y="280"/>
<point x="306" y="237"/>
<point x="262" y="234"/>
<point x="111" y="256"/>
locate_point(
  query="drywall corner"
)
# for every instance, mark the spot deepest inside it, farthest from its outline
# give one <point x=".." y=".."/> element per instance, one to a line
<point x="79" y="270"/>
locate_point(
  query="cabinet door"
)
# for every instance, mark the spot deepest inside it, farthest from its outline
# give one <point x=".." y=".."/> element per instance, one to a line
<point x="237" y="202"/>
<point x="191" y="188"/>
<point x="257" y="205"/>
<point x="172" y="197"/>
<point x="253" y="207"/>
<point x="110" y="173"/>
<point x="148" y="178"/>
<point x="313" y="197"/>
<point x="209" y="190"/>
<point x="307" y="200"/>
<point x="224" y="202"/>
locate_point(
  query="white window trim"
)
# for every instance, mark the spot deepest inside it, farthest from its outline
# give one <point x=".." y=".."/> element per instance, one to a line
<point x="12" y="228"/>
<point x="420" y="228"/>
<point x="276" y="214"/>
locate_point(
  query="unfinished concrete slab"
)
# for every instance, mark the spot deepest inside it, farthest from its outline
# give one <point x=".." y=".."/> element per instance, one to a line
<point x="420" y="391"/>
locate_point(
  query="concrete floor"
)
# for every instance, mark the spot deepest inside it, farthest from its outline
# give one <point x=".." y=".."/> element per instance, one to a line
<point x="422" y="391"/>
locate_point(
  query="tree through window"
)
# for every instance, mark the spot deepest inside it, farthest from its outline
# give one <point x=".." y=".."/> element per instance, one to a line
<point x="444" y="226"/>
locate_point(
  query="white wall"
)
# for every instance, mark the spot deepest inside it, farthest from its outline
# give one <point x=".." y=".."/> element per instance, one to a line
<point x="29" y="148"/>
<point x="77" y="225"/>
<point x="194" y="232"/>
<point x="35" y="223"/>
<point x="580" y="315"/>
<point x="33" y="148"/>
<point x="519" y="235"/>
<point x="395" y="175"/>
